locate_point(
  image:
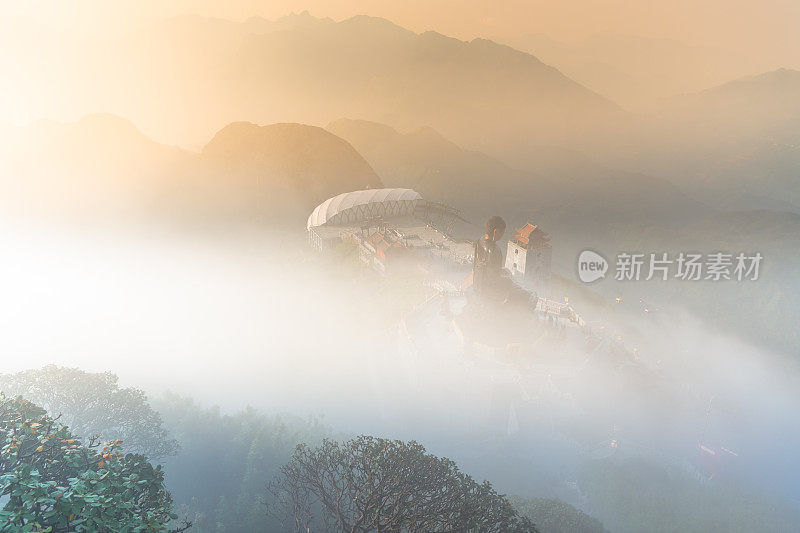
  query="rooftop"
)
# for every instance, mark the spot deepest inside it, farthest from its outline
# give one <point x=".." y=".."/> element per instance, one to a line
<point x="364" y="205"/>
<point x="530" y="233"/>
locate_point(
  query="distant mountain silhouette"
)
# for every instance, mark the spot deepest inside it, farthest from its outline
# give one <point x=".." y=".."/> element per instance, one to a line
<point x="736" y="145"/>
<point x="302" y="69"/>
<point x="479" y="93"/>
<point x="286" y="168"/>
<point x="638" y="71"/>
<point x="749" y="107"/>
<point x="566" y="190"/>
<point x="426" y="161"/>
<point x="102" y="164"/>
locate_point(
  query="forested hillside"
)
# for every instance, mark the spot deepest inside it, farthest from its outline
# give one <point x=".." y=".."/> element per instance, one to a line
<point x="225" y="471"/>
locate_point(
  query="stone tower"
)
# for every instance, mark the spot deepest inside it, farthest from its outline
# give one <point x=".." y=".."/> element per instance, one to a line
<point x="528" y="259"/>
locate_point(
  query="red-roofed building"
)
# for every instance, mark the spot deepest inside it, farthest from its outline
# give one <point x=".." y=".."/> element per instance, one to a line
<point x="381" y="251"/>
<point x="528" y="258"/>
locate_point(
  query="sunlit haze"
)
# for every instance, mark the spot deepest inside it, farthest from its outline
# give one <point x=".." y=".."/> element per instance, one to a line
<point x="257" y="242"/>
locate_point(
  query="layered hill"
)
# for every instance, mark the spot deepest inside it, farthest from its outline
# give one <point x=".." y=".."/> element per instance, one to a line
<point x="736" y="145"/>
<point x="479" y="93"/>
<point x="562" y="188"/>
<point x="638" y="71"/>
<point x="749" y="107"/>
<point x="425" y="160"/>
<point x="302" y="69"/>
<point x="281" y="171"/>
<point x="103" y="166"/>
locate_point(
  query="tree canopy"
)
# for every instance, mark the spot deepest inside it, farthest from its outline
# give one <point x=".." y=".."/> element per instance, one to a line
<point x="372" y="484"/>
<point x="53" y="482"/>
<point x="94" y="404"/>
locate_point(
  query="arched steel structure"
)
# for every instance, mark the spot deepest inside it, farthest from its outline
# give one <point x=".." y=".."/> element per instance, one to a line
<point x="358" y="206"/>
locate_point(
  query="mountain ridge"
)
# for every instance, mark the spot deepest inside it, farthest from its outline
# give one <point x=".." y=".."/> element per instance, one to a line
<point x="482" y="94"/>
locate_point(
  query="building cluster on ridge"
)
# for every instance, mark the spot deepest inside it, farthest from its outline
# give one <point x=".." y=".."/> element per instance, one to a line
<point x="394" y="228"/>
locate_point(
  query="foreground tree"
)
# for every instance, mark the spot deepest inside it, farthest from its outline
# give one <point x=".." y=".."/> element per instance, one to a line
<point x="93" y="404"/>
<point x="371" y="484"/>
<point x="52" y="482"/>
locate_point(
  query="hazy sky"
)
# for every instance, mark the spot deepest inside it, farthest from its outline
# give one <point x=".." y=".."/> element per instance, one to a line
<point x="763" y="26"/>
<point x="47" y="45"/>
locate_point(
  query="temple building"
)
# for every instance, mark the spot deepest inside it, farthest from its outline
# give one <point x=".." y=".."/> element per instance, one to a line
<point x="528" y="259"/>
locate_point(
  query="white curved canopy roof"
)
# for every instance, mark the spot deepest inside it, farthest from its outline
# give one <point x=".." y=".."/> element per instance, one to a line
<point x="362" y="205"/>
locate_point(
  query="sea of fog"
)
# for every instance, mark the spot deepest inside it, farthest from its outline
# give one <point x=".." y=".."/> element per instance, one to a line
<point x="238" y="318"/>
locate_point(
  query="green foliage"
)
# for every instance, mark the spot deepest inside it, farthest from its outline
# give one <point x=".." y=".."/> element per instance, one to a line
<point x="218" y="478"/>
<point x="636" y="495"/>
<point x="372" y="484"/>
<point x="554" y="516"/>
<point x="54" y="483"/>
<point x="93" y="404"/>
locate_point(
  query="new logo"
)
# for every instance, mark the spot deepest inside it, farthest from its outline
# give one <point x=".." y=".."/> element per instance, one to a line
<point x="591" y="266"/>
